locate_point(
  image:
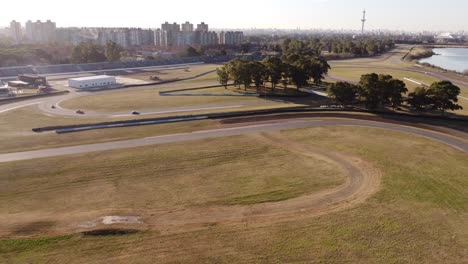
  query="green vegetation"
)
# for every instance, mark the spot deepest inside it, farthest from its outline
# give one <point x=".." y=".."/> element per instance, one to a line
<point x="379" y="90"/>
<point x="113" y="51"/>
<point x="343" y="93"/>
<point x="192" y="52"/>
<point x="32" y="54"/>
<point x="340" y="45"/>
<point x="88" y="53"/>
<point x="419" y="216"/>
<point x="296" y="69"/>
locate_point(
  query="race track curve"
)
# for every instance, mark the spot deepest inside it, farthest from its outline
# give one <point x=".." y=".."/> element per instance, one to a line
<point x="363" y="180"/>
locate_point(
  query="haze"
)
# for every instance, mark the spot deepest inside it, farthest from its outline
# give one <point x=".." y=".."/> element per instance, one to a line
<point x="406" y="15"/>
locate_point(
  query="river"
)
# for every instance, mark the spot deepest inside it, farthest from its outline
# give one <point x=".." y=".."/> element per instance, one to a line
<point x="455" y="59"/>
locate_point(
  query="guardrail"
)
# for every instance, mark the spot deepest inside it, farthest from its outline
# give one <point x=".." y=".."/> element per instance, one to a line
<point x="253" y="113"/>
<point x="29" y="97"/>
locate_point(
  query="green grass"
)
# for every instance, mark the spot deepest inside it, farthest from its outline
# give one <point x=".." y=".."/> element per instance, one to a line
<point x="419" y="216"/>
<point x="22" y="246"/>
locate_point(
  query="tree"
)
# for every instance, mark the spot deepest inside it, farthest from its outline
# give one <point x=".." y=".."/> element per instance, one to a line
<point x="298" y="73"/>
<point x="233" y="69"/>
<point x="319" y="67"/>
<point x="344" y="93"/>
<point x="275" y="69"/>
<point x="245" y="47"/>
<point x="395" y="89"/>
<point x="419" y="98"/>
<point x="258" y="73"/>
<point x="223" y="76"/>
<point x="113" y="51"/>
<point x="240" y="71"/>
<point x="191" y="52"/>
<point x="380" y="90"/>
<point x="444" y="96"/>
<point x="369" y="90"/>
<point x="87" y="53"/>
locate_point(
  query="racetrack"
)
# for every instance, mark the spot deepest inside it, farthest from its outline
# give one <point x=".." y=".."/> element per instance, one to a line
<point x="363" y="179"/>
<point x="267" y="127"/>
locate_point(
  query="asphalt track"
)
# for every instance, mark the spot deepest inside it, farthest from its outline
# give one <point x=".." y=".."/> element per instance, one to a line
<point x="224" y="132"/>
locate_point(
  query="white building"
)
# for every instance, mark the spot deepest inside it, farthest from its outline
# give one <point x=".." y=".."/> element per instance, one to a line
<point x="92" y="81"/>
<point x="15" y="31"/>
<point x="41" y="32"/>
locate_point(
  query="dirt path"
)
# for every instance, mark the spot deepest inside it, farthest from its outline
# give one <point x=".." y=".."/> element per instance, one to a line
<point x="363" y="181"/>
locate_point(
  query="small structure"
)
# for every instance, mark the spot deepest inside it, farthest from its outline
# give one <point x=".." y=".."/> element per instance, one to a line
<point x="92" y="81"/>
<point x="33" y="80"/>
<point x="7" y="91"/>
<point x="446" y="38"/>
<point x="18" y="84"/>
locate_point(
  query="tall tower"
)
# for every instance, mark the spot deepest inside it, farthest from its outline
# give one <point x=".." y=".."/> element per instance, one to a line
<point x="363" y="21"/>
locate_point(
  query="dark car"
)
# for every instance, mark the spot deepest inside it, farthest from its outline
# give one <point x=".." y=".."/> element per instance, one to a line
<point x="135" y="113"/>
<point x="80" y="112"/>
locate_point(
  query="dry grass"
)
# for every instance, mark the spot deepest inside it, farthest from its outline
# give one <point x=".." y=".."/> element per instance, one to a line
<point x="419" y="216"/>
<point x="150" y="99"/>
<point x="16" y="134"/>
<point x="230" y="171"/>
<point x="172" y="74"/>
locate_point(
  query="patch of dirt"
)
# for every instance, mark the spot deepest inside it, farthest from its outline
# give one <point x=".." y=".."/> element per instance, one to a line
<point x="111" y="220"/>
<point x="110" y="232"/>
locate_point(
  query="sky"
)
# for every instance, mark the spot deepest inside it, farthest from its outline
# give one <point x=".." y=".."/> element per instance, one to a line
<point x="408" y="15"/>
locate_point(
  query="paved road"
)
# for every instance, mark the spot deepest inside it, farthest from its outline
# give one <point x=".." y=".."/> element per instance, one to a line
<point x="280" y="125"/>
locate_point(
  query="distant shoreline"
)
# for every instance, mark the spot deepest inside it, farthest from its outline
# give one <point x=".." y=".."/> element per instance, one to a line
<point x="426" y="64"/>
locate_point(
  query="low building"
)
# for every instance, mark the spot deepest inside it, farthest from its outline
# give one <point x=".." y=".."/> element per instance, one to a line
<point x="7" y="91"/>
<point x="33" y="80"/>
<point x="18" y="84"/>
<point x="92" y="81"/>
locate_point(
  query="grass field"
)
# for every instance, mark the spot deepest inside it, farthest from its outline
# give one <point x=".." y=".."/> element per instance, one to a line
<point x="150" y="99"/>
<point x="16" y="134"/>
<point x="16" y="128"/>
<point x="419" y="216"/>
<point x="230" y="171"/>
<point x="355" y="73"/>
<point x="171" y="74"/>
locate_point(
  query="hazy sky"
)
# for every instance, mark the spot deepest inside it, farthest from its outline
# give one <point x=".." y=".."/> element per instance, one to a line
<point x="450" y="15"/>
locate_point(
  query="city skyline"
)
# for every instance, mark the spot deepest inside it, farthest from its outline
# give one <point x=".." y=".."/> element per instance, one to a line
<point x="293" y="14"/>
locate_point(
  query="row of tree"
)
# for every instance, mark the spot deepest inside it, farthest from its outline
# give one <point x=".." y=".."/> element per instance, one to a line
<point x="378" y="91"/>
<point x="88" y="53"/>
<point x="295" y="69"/>
<point x="338" y="45"/>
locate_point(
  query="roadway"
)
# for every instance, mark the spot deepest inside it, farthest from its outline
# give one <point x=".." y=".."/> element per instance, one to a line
<point x="454" y="142"/>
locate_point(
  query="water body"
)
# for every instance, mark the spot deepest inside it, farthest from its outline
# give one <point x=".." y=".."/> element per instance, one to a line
<point x="455" y="59"/>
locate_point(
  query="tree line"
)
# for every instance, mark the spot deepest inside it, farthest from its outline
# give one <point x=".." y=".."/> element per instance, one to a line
<point x="340" y="44"/>
<point x="88" y="53"/>
<point x="379" y="91"/>
<point x="297" y="68"/>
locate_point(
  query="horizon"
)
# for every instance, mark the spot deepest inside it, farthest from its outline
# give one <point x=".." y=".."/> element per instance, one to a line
<point x="325" y="15"/>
